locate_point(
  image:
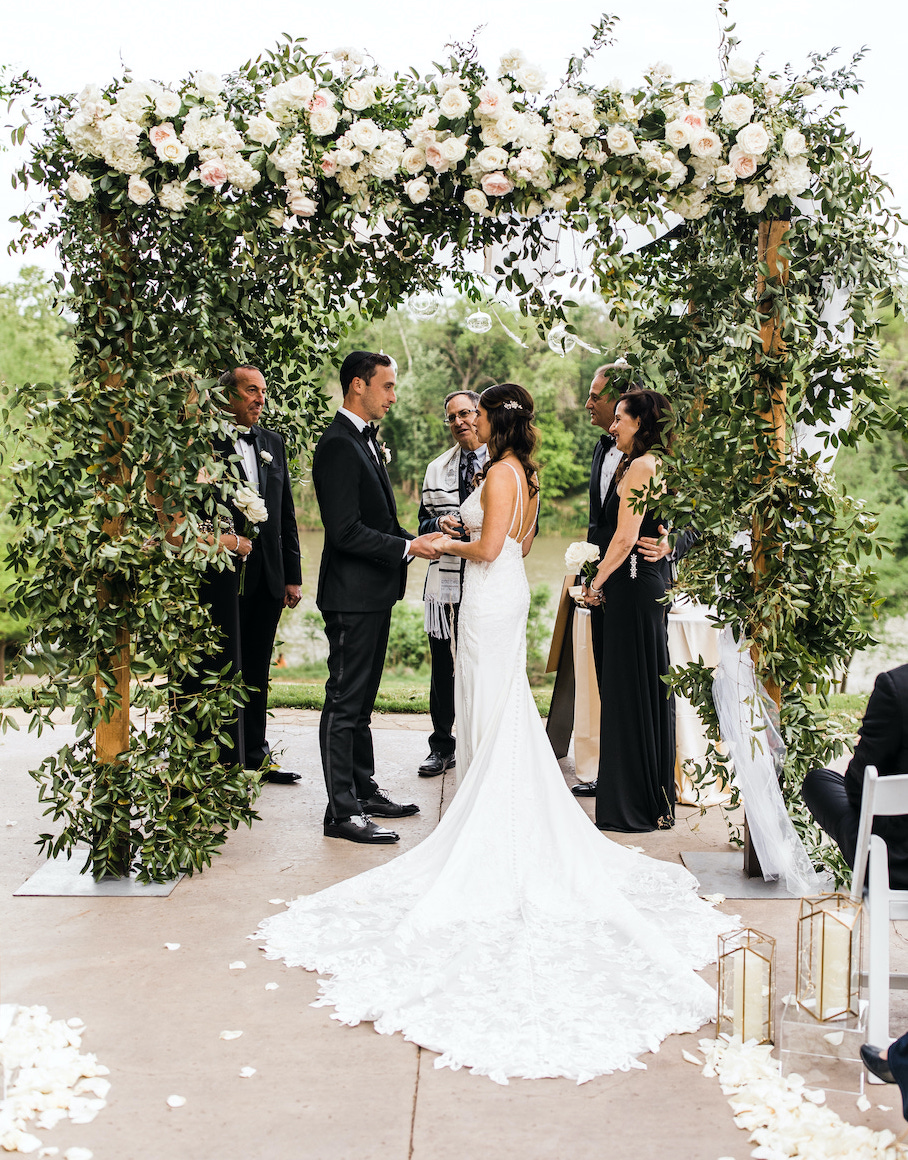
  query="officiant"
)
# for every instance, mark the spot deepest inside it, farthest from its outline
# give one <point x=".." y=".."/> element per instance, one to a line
<point x="449" y="480"/>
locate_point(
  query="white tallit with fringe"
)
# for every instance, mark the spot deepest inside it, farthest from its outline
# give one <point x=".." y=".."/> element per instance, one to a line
<point x="441" y="497"/>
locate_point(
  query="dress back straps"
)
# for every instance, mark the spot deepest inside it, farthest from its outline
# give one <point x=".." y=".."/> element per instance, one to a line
<point x="518" y="508"/>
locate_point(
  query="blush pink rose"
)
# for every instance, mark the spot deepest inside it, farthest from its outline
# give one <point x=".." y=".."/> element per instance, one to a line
<point x="158" y="134"/>
<point x="496" y="184"/>
<point x="744" y="164"/>
<point x="328" y="164"/>
<point x="436" y="158"/>
<point x="213" y="173"/>
<point x="696" y="118"/>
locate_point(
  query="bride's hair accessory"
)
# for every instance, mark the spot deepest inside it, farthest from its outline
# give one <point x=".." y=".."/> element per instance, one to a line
<point x="510" y="405"/>
<point x="513" y="405"/>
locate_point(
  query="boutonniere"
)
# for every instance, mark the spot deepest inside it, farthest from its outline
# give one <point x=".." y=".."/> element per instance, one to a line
<point x="266" y="456"/>
<point x="386" y="451"/>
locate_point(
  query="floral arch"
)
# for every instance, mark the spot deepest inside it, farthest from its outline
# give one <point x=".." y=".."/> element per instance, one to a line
<point x="247" y="218"/>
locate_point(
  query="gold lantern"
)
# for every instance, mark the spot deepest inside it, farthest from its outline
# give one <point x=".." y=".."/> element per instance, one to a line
<point x="746" y="985"/>
<point x="829" y="956"/>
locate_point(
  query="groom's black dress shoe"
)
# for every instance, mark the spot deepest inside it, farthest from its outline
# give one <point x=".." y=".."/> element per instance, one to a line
<point x="436" y="763"/>
<point x="381" y="806"/>
<point x="876" y="1064"/>
<point x="360" y="829"/>
<point x="279" y="776"/>
<point x="584" y="789"/>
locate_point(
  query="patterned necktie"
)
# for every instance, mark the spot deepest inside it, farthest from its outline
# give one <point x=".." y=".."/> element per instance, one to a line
<point x="467" y="471"/>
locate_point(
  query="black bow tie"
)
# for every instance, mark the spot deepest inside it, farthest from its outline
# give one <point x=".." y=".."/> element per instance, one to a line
<point x="369" y="432"/>
<point x="249" y="436"/>
<point x="607" y="441"/>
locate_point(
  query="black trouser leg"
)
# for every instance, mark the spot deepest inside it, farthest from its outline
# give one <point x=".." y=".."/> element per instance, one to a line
<point x="824" y="794"/>
<point x="441" y="691"/>
<point x="259" y="616"/>
<point x="357" y="642"/>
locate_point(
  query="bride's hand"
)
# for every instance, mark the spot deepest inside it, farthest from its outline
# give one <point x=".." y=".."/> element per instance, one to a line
<point x="443" y="544"/>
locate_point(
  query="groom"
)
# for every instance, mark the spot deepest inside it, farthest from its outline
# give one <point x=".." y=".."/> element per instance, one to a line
<point x="363" y="574"/>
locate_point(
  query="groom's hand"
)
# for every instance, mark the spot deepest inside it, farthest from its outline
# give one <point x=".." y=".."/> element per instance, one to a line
<point x="424" y="546"/>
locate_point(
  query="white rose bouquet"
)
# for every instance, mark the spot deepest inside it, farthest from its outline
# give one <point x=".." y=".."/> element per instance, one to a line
<point x="251" y="506"/>
<point x="582" y="557"/>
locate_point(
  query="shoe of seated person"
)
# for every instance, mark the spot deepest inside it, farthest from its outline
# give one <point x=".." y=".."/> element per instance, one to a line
<point x="875" y="1063"/>
<point x="359" y="828"/>
<point x="279" y="776"/>
<point x="584" y="789"/>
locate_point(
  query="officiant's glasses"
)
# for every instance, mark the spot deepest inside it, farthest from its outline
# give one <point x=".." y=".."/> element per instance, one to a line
<point x="458" y="415"/>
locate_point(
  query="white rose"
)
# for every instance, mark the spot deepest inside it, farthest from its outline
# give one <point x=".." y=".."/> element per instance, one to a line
<point x="266" y="457"/>
<point x="455" y="103"/>
<point x="740" y="69"/>
<point x="794" y="144"/>
<point x="90" y="95"/>
<point x="139" y="191"/>
<point x="678" y="174"/>
<point x="300" y="89"/>
<point x="276" y="216"/>
<point x="726" y="178"/>
<point x="359" y="95"/>
<point x="567" y="144"/>
<point x="753" y="138"/>
<point x="527" y="165"/>
<point x="413" y="161"/>
<point x="678" y="134"/>
<point x="737" y="110"/>
<point x="167" y="104"/>
<point x="755" y="199"/>
<point x="509" y="125"/>
<point x="490" y="134"/>
<point x="262" y="129"/>
<point x="620" y="141"/>
<point x="302" y="205"/>
<point x="772" y="91"/>
<point x="530" y="78"/>
<point x="365" y="135"/>
<point x="78" y="187"/>
<point x="493" y="157"/>
<point x="250" y="503"/>
<point x="511" y="62"/>
<point x="208" y="85"/>
<point x="476" y="201"/>
<point x="454" y="149"/>
<point x="578" y="554"/>
<point x="695" y="205"/>
<point x="348" y="181"/>
<point x="417" y="189"/>
<point x="706" y="144"/>
<point x="323" y="122"/>
<point x="660" y="71"/>
<point x="347" y="158"/>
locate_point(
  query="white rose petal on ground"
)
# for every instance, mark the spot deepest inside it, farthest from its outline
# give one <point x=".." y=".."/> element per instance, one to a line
<point x="230" y="1035"/>
<point x="172" y="946"/>
<point x="176" y="1101"/>
<point x="271" y="986"/>
<point x="78" y="1154"/>
<point x="835" y="1037"/>
<point x="884" y="1107"/>
<point x="11" y="823"/>
<point x="863" y="1104"/>
<point x="691" y="1058"/>
<point x="238" y="965"/>
<point x="716" y="898"/>
<point x="275" y="901"/>
<point x="247" y="1072"/>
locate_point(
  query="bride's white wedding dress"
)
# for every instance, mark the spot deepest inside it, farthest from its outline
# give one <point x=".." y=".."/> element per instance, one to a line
<point x="516" y="940"/>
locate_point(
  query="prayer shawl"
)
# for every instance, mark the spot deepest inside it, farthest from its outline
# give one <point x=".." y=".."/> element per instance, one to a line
<point x="441" y="497"/>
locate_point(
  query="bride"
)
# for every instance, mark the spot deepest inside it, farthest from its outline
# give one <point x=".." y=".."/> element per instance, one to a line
<point x="516" y="940"/>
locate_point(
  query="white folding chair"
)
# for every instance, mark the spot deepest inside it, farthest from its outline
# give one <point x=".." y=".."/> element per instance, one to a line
<point x="882" y="797"/>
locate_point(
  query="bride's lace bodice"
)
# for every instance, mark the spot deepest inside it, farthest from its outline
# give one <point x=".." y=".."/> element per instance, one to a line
<point x="516" y="940"/>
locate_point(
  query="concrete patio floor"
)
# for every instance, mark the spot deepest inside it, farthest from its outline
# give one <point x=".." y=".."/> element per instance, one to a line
<point x="321" y="1091"/>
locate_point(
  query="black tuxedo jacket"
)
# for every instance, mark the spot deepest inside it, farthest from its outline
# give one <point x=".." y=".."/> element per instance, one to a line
<point x="363" y="566"/>
<point x="275" y="557"/>
<point x="596" y="532"/>
<point x="883" y="742"/>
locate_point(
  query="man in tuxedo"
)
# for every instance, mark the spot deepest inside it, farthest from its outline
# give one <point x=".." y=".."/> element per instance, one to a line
<point x="448" y="481"/>
<point x="363" y="574"/>
<point x="835" y="801"/>
<point x="271" y="573"/>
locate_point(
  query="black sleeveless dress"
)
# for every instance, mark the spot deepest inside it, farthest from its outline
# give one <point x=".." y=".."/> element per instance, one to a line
<point x="636" y="788"/>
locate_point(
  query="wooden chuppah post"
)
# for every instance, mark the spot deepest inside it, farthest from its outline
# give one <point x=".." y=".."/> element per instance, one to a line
<point x="112" y="734"/>
<point x="771" y="235"/>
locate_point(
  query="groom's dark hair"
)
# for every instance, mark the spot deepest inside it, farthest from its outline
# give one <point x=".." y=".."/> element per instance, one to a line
<point x="361" y="364"/>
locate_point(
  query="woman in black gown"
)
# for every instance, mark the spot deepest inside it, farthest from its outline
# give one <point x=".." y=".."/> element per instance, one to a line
<point x="636" y="787"/>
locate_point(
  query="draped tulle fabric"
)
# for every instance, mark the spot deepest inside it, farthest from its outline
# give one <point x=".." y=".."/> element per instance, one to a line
<point x="516" y="940"/>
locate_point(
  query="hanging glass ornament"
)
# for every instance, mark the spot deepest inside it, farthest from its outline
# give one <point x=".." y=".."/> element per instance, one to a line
<point x="560" y="341"/>
<point x="424" y="305"/>
<point x="479" y="323"/>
